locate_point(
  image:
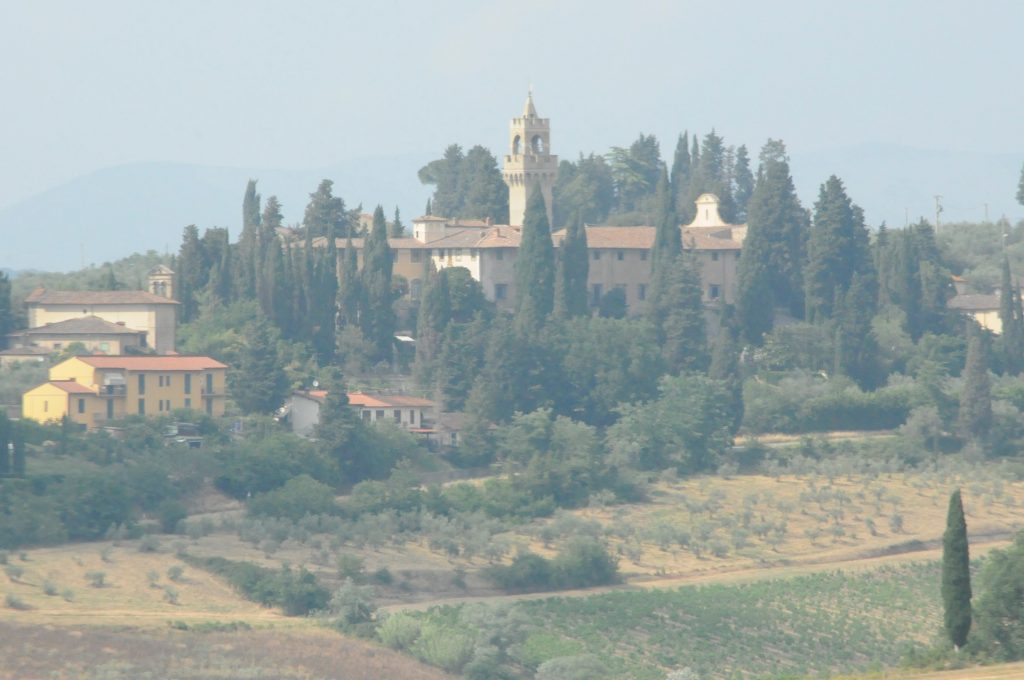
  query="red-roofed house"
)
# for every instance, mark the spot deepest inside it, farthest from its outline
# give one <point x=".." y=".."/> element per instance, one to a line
<point x="92" y="390"/>
<point x="415" y="414"/>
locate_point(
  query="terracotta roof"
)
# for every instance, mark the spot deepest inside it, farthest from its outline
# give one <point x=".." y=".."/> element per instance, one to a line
<point x="153" y="363"/>
<point x="86" y="325"/>
<point x="95" y="297"/>
<point x="70" y="386"/>
<point x="430" y="218"/>
<point x="363" y="400"/>
<point x="974" y="302"/>
<point x="615" y="237"/>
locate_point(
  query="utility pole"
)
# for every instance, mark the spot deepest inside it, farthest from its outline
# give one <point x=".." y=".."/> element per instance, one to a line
<point x="938" y="211"/>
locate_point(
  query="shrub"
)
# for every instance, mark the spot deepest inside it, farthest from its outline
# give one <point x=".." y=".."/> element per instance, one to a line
<point x="528" y="571"/>
<point x="149" y="544"/>
<point x="585" y="562"/>
<point x="299" y="497"/>
<point x="50" y="588"/>
<point x="297" y="593"/>
<point x="580" y="667"/>
<point x="444" y="648"/>
<point x="399" y="631"/>
<point x="97" y="579"/>
<point x="171" y="595"/>
<point x="14" y="602"/>
<point x="176" y="572"/>
<point x="171" y="513"/>
<point x="13" y="571"/>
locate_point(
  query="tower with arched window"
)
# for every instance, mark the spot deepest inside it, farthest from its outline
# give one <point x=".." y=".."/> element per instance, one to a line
<point x="529" y="162"/>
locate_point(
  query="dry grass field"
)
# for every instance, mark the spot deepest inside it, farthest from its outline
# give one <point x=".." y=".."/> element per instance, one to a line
<point x="1011" y="671"/>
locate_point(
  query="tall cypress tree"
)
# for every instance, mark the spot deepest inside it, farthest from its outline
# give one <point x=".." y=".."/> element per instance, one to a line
<point x="856" y="348"/>
<point x="268" y="261"/>
<point x="573" y="269"/>
<point x="743" y="183"/>
<point x="975" y="417"/>
<point x="838" y="248"/>
<point x="682" y="171"/>
<point x="1011" y="341"/>
<point x="248" y="244"/>
<point x="956" y="574"/>
<point x="259" y="383"/>
<point x="325" y="300"/>
<point x="725" y="367"/>
<point x="668" y="245"/>
<point x="397" y="229"/>
<point x="193" y="271"/>
<point x="377" y="317"/>
<point x="434" y="315"/>
<point x="217" y="247"/>
<point x="5" y="438"/>
<point x="6" y="306"/>
<point x="770" y="273"/>
<point x="349" y="291"/>
<point x="535" y="266"/>
<point x="685" y="345"/>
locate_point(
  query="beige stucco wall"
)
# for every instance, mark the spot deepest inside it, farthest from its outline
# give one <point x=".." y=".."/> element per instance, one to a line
<point x="158" y="321"/>
<point x="495" y="271"/>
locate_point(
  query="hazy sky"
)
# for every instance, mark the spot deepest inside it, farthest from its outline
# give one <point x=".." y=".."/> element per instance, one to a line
<point x="86" y="85"/>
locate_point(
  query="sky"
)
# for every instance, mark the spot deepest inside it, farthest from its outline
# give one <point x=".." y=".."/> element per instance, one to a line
<point x="304" y="84"/>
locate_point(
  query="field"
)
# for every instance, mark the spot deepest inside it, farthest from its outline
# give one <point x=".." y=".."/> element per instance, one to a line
<point x="811" y="625"/>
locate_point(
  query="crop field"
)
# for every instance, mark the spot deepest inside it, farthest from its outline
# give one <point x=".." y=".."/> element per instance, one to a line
<point x="812" y="625"/>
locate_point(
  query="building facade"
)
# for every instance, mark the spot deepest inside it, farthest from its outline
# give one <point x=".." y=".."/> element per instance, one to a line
<point x="529" y="162"/>
<point x="96" y="335"/>
<point x="93" y="390"/>
<point x="302" y="410"/>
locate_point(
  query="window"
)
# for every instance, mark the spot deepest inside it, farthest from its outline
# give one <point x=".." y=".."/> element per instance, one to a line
<point x="500" y="291"/>
<point x="455" y="438"/>
<point x="398" y="415"/>
<point x="160" y="380"/>
<point x="380" y="415"/>
<point x="457" y="252"/>
<point x="167" y="381"/>
<point x="209" y="383"/>
<point x="641" y="291"/>
<point x="46" y="406"/>
<point x="142" y="384"/>
<point x="643" y="256"/>
<point x="620" y="256"/>
<point x="596" y="255"/>
<point x="366" y="416"/>
<point x="595" y="294"/>
<point x="81" y="405"/>
<point x="104" y="346"/>
<point x="499" y="254"/>
<point x="713" y="291"/>
<point x="714" y="256"/>
<point x="412" y="417"/>
<point x="142" y="406"/>
<point x="188" y="383"/>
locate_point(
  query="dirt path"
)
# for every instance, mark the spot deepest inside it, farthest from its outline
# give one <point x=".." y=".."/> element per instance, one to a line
<point x="927" y="552"/>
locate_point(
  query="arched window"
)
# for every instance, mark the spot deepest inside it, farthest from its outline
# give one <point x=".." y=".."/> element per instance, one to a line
<point x="537" y="144"/>
<point x="517" y="144"/>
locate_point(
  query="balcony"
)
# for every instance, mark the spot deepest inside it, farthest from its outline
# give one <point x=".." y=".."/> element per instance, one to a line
<point x="112" y="391"/>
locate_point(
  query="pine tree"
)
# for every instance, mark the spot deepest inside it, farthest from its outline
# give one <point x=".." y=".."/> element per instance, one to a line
<point x="770" y="272"/>
<point x="259" y="383"/>
<point x="975" y="417"/>
<point x="573" y="269"/>
<point x="1011" y="342"/>
<point x="743" y="181"/>
<point x="248" y="244"/>
<point x="837" y="249"/>
<point x="685" y="346"/>
<point x="325" y="212"/>
<point x="193" y="271"/>
<point x="483" y="191"/>
<point x="535" y="266"/>
<point x="6" y="306"/>
<point x="428" y="209"/>
<point x="445" y="174"/>
<point x="956" y="574"/>
<point x="377" y="317"/>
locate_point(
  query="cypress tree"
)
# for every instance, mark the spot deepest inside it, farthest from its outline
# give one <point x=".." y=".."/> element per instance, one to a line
<point x="325" y="212"/>
<point x="217" y="248"/>
<point x="956" y="574"/>
<point x="377" y="317"/>
<point x="1020" y="187"/>
<point x="5" y="438"/>
<point x="682" y="170"/>
<point x="837" y="249"/>
<point x="743" y="182"/>
<point x="685" y="346"/>
<point x="975" y="417"/>
<point x="268" y="261"/>
<point x="856" y="348"/>
<point x="770" y="273"/>
<point x="725" y="367"/>
<point x="434" y="315"/>
<point x="349" y="291"/>
<point x="1011" y="341"/>
<point x="248" y="243"/>
<point x="325" y="302"/>
<point x="193" y="272"/>
<point x="573" y="269"/>
<point x="259" y="383"/>
<point x="665" y="253"/>
<point x="18" y="445"/>
<point x="6" y="306"/>
<point x="535" y="266"/>
<point x="397" y="229"/>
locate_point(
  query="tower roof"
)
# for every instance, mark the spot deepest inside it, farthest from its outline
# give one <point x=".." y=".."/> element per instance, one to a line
<point x="528" y="109"/>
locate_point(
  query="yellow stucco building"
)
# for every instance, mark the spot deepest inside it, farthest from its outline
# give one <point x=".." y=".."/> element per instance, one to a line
<point x="92" y="390"/>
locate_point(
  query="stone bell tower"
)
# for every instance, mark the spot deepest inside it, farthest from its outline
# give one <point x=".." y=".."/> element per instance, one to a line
<point x="529" y="162"/>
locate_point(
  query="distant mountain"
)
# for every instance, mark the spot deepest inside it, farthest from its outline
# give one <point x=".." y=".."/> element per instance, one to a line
<point x="116" y="211"/>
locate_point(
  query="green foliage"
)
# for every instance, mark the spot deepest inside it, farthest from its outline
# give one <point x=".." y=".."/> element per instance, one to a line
<point x="584" y="191"/>
<point x="635" y="171"/>
<point x="399" y="631"/>
<point x="583" y="563"/>
<point x="956" y="574"/>
<point x="975" y="417"/>
<point x="999" y="609"/>
<point x="580" y="667"/>
<point x="376" y="316"/>
<point x="258" y="383"/>
<point x="573" y="266"/>
<point x="467" y="185"/>
<point x="535" y="266"/>
<point x="260" y="464"/>
<point x="684" y="330"/>
<point x="352" y="604"/>
<point x="688" y="426"/>
<point x="296" y="592"/>
<point x="300" y="496"/>
<point x="7" y="317"/>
